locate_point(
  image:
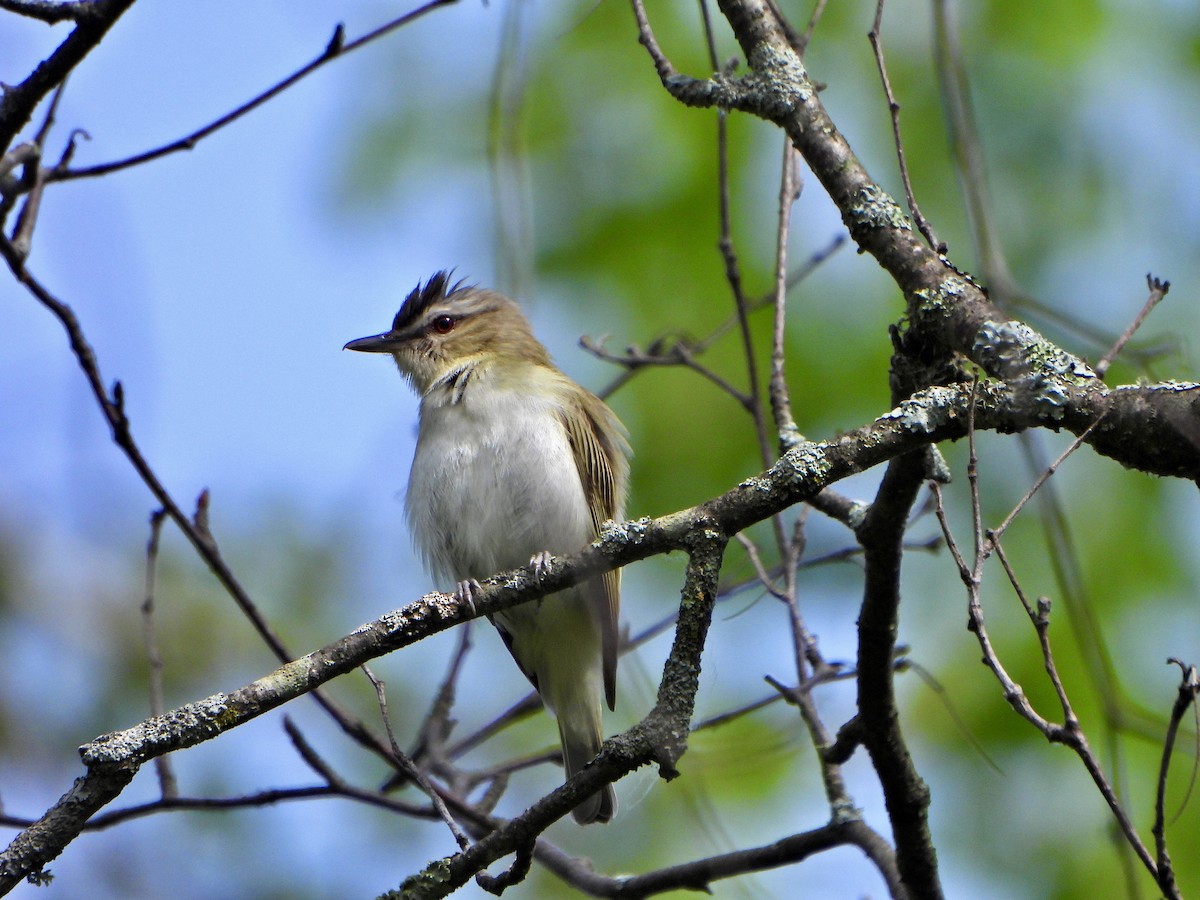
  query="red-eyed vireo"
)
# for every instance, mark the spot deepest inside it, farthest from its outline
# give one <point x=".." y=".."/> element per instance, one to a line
<point x="515" y="461"/>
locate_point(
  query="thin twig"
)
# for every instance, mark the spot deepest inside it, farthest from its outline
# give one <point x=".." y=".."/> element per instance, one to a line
<point x="20" y="100"/>
<point x="1189" y="689"/>
<point x="337" y="46"/>
<point x="1158" y="290"/>
<point x="167" y="784"/>
<point x="679" y="350"/>
<point x="646" y="38"/>
<point x="806" y="38"/>
<point x="256" y="800"/>
<point x="876" y="38"/>
<point x="438" y="723"/>
<point x="1070" y="733"/>
<point x="781" y="404"/>
<point x="411" y="768"/>
<point x="35" y="181"/>
<point x="1039" y="615"/>
<point x="663" y="354"/>
<point x="310" y="756"/>
<point x="1049" y="470"/>
<point x="760" y="570"/>
<point x="113" y="409"/>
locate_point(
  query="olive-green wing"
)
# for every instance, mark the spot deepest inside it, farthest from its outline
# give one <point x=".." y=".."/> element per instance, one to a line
<point x="602" y="457"/>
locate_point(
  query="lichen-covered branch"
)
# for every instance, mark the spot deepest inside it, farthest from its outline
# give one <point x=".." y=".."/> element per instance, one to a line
<point x="944" y="305"/>
<point x="937" y="414"/>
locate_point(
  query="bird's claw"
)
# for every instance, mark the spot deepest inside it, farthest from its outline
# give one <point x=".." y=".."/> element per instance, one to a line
<point x="464" y="594"/>
<point x="541" y="563"/>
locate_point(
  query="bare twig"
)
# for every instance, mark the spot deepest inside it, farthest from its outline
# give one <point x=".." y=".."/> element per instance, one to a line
<point x="259" y="799"/>
<point x="113" y="409"/>
<point x="1189" y="689"/>
<point x="876" y="38"/>
<point x="522" y="709"/>
<point x="806" y="38"/>
<point x="680" y="350"/>
<point x="167" y="784"/>
<point x="664" y="354"/>
<point x="781" y="404"/>
<point x="760" y="570"/>
<point x="1039" y="615"/>
<point x="1070" y="732"/>
<point x="646" y="38"/>
<point x="700" y="874"/>
<point x="438" y="722"/>
<point x="337" y="46"/>
<point x="1049" y="470"/>
<point x="310" y="756"/>
<point x="411" y="769"/>
<point x="35" y="180"/>
<point x="1158" y="290"/>
<point x="19" y="101"/>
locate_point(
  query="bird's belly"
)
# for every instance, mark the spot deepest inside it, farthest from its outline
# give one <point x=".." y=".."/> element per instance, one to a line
<point x="486" y="500"/>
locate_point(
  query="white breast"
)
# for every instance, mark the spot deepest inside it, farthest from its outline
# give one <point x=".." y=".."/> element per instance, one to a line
<point x="494" y="481"/>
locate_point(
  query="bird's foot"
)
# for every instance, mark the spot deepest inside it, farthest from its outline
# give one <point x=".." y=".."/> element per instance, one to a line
<point x="464" y="594"/>
<point x="541" y="563"/>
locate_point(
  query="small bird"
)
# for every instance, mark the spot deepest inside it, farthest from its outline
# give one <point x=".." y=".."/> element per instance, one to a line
<point x="515" y="462"/>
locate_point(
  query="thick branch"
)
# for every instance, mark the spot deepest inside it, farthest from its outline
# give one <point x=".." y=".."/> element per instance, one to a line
<point x="18" y="103"/>
<point x="1156" y="430"/>
<point x="798" y="476"/>
<point x="661" y="736"/>
<point x="878" y="721"/>
<point x="699" y="874"/>
<point x="51" y="11"/>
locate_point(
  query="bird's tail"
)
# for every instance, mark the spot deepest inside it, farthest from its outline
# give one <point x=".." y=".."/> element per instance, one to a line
<point x="581" y="738"/>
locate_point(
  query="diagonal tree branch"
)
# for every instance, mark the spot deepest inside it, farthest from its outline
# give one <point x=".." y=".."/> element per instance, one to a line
<point x="660" y="737"/>
<point x="93" y="20"/>
<point x="945" y="306"/>
<point x="338" y="46"/>
<point x="932" y="415"/>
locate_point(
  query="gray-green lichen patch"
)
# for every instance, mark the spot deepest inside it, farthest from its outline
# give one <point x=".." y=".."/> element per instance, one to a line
<point x="1175" y="387"/>
<point x="179" y="727"/>
<point x="288" y="680"/>
<point x="923" y="413"/>
<point x="1036" y="370"/>
<point x="874" y="207"/>
<point x="806" y="465"/>
<point x="947" y="296"/>
<point x="632" y="532"/>
<point x="781" y="82"/>
<point x="1008" y="348"/>
<point x="427" y="882"/>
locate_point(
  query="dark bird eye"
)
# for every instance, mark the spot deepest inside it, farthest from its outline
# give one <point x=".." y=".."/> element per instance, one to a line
<point x="444" y="324"/>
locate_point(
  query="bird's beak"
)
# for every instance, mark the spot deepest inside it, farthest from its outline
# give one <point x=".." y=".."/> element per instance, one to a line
<point x="377" y="343"/>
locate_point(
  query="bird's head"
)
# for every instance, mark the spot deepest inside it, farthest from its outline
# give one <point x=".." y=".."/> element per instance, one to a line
<point x="444" y="326"/>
